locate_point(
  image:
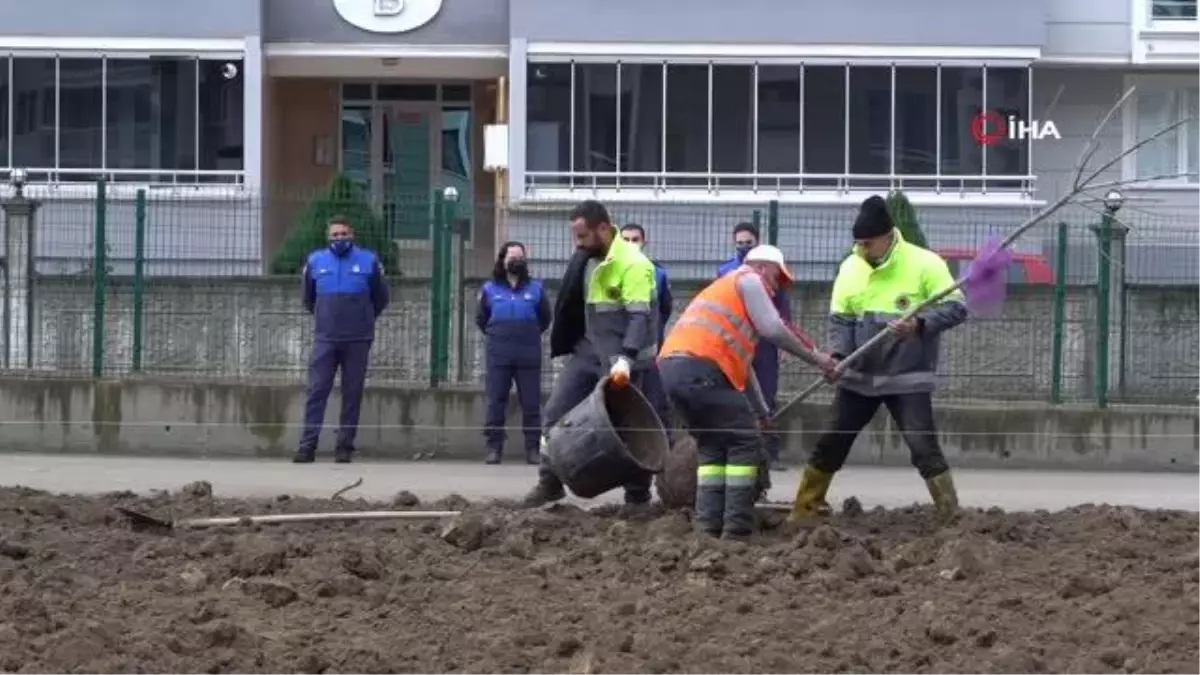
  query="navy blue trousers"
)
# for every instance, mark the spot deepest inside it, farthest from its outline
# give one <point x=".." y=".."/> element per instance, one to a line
<point x="327" y="358"/>
<point x="652" y="387"/>
<point x="501" y="373"/>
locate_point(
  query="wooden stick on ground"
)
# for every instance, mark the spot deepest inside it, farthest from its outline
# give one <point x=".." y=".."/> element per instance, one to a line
<point x="197" y="523"/>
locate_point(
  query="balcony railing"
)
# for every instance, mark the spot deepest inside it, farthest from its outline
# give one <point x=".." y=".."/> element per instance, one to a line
<point x="675" y="185"/>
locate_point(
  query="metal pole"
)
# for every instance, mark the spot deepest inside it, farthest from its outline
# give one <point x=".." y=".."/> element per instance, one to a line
<point x="99" y="280"/>
<point x="1103" y="299"/>
<point x="773" y="222"/>
<point x="436" y="338"/>
<point x="139" y="278"/>
<point x="1060" y="315"/>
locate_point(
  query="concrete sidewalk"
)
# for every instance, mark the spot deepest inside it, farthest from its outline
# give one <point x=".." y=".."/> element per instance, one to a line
<point x="891" y="487"/>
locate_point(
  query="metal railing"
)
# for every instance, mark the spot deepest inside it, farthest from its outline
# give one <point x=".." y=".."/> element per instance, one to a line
<point x="542" y="184"/>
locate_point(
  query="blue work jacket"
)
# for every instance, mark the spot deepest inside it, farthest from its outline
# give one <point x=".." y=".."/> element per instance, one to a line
<point x="345" y="294"/>
<point x="513" y="319"/>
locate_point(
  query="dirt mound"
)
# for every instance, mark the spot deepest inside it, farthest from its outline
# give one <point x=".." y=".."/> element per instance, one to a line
<point x="1091" y="589"/>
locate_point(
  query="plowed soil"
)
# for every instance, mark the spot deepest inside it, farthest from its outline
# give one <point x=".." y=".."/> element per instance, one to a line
<point x="1091" y="589"/>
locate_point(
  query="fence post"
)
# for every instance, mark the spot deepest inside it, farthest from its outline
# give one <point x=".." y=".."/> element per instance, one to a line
<point x="460" y="315"/>
<point x="20" y="291"/>
<point x="436" y="292"/>
<point x="1060" y="314"/>
<point x="773" y="222"/>
<point x="756" y="218"/>
<point x="139" y="277"/>
<point x="439" y="367"/>
<point x="99" y="280"/>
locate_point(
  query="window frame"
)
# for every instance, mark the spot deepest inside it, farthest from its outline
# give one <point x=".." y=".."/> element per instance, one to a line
<point x="183" y="182"/>
<point x="569" y="184"/>
<point x="1165" y="22"/>
<point x="1155" y="83"/>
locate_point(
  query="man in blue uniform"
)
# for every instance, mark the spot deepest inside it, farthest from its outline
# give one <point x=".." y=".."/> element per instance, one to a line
<point x="766" y="355"/>
<point x="652" y="385"/>
<point x="513" y="311"/>
<point x="344" y="290"/>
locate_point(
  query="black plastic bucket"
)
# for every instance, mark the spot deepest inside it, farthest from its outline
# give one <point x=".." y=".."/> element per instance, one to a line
<point x="610" y="438"/>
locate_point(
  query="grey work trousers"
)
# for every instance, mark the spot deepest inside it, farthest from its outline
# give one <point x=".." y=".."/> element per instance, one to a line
<point x="732" y="460"/>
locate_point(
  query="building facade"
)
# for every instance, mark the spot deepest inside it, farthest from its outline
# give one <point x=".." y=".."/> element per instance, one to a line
<point x="233" y="113"/>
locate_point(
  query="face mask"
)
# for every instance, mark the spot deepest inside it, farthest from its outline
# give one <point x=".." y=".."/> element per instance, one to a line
<point x="340" y="247"/>
<point x="517" y="267"/>
<point x="743" y="249"/>
<point x="637" y="244"/>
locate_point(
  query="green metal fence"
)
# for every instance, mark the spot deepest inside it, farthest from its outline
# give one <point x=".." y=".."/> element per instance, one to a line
<point x="171" y="284"/>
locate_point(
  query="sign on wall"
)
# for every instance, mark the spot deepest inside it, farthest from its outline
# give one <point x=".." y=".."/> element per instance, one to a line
<point x="387" y="16"/>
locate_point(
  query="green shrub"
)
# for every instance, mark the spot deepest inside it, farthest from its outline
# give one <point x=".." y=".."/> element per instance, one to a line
<point x="905" y="218"/>
<point x="310" y="231"/>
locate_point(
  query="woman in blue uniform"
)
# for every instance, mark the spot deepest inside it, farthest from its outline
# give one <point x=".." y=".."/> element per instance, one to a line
<point x="513" y="312"/>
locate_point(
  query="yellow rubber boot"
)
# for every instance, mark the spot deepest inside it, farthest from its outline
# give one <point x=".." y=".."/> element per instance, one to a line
<point x="810" y="496"/>
<point x="945" y="497"/>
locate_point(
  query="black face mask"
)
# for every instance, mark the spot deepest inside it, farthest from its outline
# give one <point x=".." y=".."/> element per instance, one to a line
<point x="742" y="250"/>
<point x="517" y="267"/>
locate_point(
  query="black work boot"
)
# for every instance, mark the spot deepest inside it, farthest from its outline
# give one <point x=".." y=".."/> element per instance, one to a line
<point x="304" y="457"/>
<point x="343" y="455"/>
<point x="637" y="503"/>
<point x="543" y="493"/>
<point x="493" y="456"/>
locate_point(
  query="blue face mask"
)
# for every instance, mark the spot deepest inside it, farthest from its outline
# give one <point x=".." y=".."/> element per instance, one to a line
<point x="340" y="247"/>
<point x="742" y="250"/>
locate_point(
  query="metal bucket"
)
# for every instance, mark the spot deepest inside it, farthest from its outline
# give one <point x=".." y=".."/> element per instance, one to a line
<point x="609" y="439"/>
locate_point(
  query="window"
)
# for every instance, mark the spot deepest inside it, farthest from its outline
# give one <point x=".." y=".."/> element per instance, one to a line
<point x="1171" y="158"/>
<point x="158" y="120"/>
<point x="1167" y="10"/>
<point x="745" y="127"/>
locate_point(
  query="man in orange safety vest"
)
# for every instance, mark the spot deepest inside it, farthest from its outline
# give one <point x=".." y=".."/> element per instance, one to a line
<point x="705" y="363"/>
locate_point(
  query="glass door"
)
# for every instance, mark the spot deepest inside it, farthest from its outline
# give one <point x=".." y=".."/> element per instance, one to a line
<point x="409" y="148"/>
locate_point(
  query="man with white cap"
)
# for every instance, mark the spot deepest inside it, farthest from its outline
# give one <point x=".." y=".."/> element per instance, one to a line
<point x="706" y="362"/>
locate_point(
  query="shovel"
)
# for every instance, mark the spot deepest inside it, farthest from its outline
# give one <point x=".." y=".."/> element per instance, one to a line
<point x="142" y="522"/>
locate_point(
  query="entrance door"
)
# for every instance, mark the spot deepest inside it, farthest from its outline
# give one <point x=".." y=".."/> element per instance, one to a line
<point x="410" y="148"/>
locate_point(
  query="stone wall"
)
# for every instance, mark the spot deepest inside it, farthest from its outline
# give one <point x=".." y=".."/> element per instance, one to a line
<point x="255" y="328"/>
<point x="230" y="419"/>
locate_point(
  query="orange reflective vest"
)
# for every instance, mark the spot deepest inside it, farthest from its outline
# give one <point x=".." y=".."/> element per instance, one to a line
<point x="715" y="327"/>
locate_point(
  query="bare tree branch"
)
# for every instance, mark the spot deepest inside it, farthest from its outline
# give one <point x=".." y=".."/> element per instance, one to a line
<point x="1078" y="194"/>
<point x="1093" y="144"/>
<point x="1134" y="148"/>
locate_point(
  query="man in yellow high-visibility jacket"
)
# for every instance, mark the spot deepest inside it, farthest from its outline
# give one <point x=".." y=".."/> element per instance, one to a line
<point x="876" y="285"/>
<point x="605" y="319"/>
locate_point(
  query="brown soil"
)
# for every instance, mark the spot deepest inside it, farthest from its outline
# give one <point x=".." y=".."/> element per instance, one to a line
<point x="1091" y="589"/>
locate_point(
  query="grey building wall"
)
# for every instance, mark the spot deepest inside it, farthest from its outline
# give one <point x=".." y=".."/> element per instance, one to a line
<point x="912" y="22"/>
<point x="459" y="22"/>
<point x="1088" y="28"/>
<point x="132" y="18"/>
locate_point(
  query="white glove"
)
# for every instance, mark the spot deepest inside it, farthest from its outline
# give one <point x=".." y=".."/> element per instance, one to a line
<point x="618" y="374"/>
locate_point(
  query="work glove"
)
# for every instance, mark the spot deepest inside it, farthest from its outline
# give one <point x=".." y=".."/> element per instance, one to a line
<point x="618" y="374"/>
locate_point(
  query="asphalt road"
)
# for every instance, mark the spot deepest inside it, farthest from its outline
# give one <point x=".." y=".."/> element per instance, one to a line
<point x="891" y="487"/>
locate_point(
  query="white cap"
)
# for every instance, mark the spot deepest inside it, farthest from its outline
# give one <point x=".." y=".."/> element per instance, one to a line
<point x="770" y="254"/>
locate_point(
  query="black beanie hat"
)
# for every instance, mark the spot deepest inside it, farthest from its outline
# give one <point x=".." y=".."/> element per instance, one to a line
<point x="873" y="219"/>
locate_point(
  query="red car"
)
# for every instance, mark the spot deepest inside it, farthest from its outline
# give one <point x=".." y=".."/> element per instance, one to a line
<point x="1027" y="268"/>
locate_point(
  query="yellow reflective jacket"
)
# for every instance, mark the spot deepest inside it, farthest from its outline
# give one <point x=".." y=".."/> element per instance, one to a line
<point x="621" y="304"/>
<point x="866" y="297"/>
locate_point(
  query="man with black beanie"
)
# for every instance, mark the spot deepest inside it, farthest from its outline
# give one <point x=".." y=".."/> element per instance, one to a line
<point x="876" y="286"/>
